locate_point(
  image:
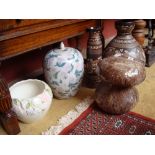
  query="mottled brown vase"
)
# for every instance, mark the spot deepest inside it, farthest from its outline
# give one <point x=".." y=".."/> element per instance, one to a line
<point x="8" y="118"/>
<point x="95" y="46"/>
<point x="139" y="31"/>
<point x="115" y="100"/>
<point x="124" y="44"/>
<point x="122" y="72"/>
<point x="122" y="67"/>
<point x="94" y="43"/>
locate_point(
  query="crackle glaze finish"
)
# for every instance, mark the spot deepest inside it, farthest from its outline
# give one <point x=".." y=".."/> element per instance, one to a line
<point x="63" y="70"/>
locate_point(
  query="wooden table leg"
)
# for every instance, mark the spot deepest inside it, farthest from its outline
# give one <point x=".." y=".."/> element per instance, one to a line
<point x="150" y="49"/>
<point x="9" y="122"/>
<point x="139" y="31"/>
<point x="8" y="118"/>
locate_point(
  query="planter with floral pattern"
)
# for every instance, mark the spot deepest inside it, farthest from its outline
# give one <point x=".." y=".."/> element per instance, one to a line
<point x="63" y="70"/>
<point x="31" y="99"/>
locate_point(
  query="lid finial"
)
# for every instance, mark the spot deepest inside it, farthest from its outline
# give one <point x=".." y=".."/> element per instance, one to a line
<point x="62" y="46"/>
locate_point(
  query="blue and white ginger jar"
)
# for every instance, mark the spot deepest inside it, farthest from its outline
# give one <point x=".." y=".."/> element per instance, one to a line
<point x="64" y="70"/>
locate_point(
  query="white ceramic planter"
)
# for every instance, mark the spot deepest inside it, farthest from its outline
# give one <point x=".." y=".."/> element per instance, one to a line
<point x="64" y="69"/>
<point x="31" y="99"/>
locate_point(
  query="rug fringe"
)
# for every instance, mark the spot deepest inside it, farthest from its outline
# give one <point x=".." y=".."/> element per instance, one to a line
<point x="67" y="119"/>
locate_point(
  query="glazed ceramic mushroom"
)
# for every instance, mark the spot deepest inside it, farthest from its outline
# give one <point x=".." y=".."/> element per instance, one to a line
<point x="116" y="100"/>
<point x="122" y="72"/>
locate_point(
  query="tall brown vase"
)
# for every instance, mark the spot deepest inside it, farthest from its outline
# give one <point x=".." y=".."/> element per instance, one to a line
<point x="124" y="44"/>
<point x="95" y="47"/>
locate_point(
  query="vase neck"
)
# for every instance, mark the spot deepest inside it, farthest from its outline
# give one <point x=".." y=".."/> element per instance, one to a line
<point x="124" y="27"/>
<point x="94" y="31"/>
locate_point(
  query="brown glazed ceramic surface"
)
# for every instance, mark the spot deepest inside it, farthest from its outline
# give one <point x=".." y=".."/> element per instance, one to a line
<point x="94" y="44"/>
<point x="122" y="72"/>
<point x="115" y="100"/>
<point x="124" y="44"/>
<point x="94" y="55"/>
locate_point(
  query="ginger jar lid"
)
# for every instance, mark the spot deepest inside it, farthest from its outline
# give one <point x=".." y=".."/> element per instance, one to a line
<point x="64" y="49"/>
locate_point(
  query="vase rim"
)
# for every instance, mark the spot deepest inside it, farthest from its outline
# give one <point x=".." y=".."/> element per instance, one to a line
<point x="34" y="84"/>
<point x="93" y="29"/>
<point x="125" y="22"/>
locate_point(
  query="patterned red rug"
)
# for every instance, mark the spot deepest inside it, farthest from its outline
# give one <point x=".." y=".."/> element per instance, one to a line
<point x="94" y="122"/>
